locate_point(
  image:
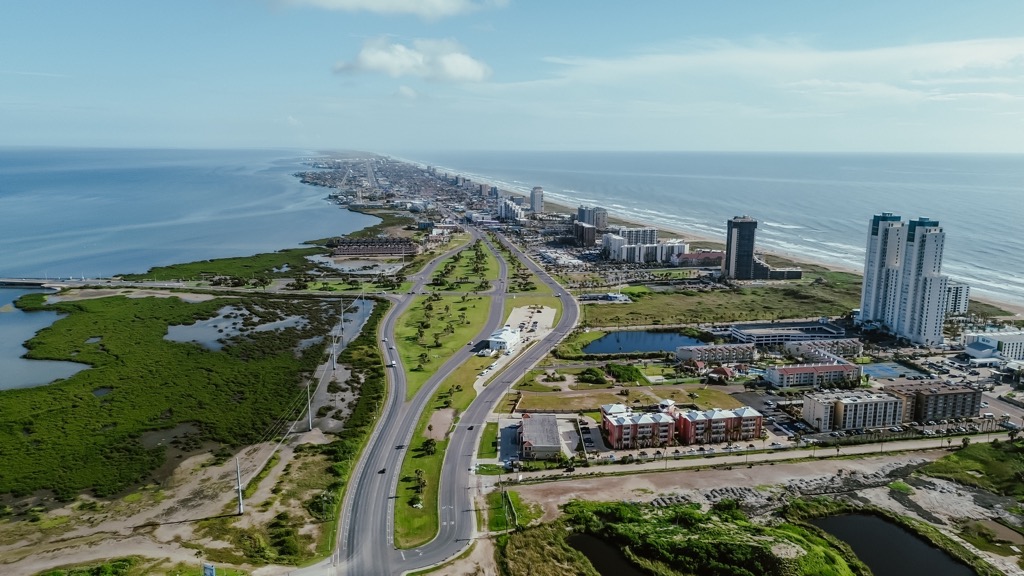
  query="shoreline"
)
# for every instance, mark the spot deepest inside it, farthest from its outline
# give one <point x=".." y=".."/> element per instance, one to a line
<point x="1015" y="309"/>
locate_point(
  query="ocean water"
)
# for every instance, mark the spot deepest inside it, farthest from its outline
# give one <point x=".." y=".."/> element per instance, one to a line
<point x="99" y="212"/>
<point x="812" y="206"/>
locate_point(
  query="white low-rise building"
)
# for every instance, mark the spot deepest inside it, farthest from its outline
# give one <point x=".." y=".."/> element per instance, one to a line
<point x="504" y="340"/>
<point x="1008" y="345"/>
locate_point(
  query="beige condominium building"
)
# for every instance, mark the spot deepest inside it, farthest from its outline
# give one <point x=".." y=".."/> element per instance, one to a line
<point x="852" y="409"/>
<point x="924" y="401"/>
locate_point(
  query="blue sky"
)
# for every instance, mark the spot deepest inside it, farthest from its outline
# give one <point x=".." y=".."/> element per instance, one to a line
<point x="397" y="76"/>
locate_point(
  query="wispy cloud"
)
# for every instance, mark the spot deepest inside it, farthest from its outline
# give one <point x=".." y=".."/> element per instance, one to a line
<point x="438" y="60"/>
<point x="406" y="92"/>
<point x="428" y="9"/>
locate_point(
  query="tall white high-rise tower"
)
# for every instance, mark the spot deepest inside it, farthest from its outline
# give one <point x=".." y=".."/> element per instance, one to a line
<point x="537" y="200"/>
<point x="904" y="289"/>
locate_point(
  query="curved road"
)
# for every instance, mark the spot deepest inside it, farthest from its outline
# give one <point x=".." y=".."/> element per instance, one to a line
<point x="366" y="534"/>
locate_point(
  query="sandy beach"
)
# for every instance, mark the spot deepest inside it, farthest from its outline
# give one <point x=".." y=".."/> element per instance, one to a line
<point x="1016" y="308"/>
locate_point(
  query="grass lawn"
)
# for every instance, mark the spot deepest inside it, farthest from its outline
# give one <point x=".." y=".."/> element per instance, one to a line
<point x="363" y="287"/>
<point x="706" y="399"/>
<point x="459" y="273"/>
<point x="836" y="296"/>
<point x="489" y="441"/>
<point x="465" y="318"/>
<point x="499" y="516"/>
<point x="530" y="382"/>
<point x="577" y="341"/>
<point x="584" y="400"/>
<point x="523" y="301"/>
<point x="417" y="526"/>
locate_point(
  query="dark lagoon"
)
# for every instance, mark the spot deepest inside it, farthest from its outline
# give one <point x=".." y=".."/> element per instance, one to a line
<point x="889" y="549"/>
<point x="639" y="341"/>
<point x="15" y="328"/>
<point x="606" y="558"/>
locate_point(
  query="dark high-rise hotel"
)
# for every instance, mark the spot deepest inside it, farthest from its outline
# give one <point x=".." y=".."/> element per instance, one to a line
<point x="740" y="263"/>
<point x="739" y="248"/>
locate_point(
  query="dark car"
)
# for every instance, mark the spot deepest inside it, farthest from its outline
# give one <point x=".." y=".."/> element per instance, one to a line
<point x="381" y="471"/>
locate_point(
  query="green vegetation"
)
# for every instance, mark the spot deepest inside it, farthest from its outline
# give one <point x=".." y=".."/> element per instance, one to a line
<point x="985" y="538"/>
<point x="500" y="507"/>
<point x="985" y="310"/>
<point x="624" y="374"/>
<point x="678" y="539"/>
<point x="416" y="513"/>
<point x="254" y="483"/>
<point x="534" y="300"/>
<point x="282" y="264"/>
<point x="835" y="295"/>
<point x="317" y="477"/>
<point x="432" y="329"/>
<point x="801" y="509"/>
<point x="136" y="566"/>
<point x="388" y="222"/>
<point x="489" y="441"/>
<point x="900" y="486"/>
<point x="541" y="551"/>
<point x="532" y="381"/>
<point x="234" y="396"/>
<point x="572" y="347"/>
<point x="521" y="278"/>
<point x="472" y="269"/>
<point x="591" y="400"/>
<point x="996" y="467"/>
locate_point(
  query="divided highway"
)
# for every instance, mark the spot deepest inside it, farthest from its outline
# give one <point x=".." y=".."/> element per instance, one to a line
<point x="366" y="533"/>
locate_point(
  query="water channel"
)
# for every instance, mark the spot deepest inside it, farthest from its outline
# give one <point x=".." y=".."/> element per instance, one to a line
<point x="889" y="549"/>
<point x="15" y="328"/>
<point x="607" y="559"/>
<point x="627" y="341"/>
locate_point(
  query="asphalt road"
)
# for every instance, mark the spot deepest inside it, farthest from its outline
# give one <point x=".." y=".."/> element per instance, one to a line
<point x="366" y="534"/>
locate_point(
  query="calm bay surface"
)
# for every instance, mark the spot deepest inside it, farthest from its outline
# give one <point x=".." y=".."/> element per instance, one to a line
<point x="99" y="212"/>
<point x="15" y="328"/>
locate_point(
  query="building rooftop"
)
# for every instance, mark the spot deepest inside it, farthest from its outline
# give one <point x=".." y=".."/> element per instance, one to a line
<point x="929" y="388"/>
<point x="851" y="396"/>
<point x="541" y="430"/>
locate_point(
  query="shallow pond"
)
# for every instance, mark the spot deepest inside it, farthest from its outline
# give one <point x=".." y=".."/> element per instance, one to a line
<point x="889" y="549"/>
<point x="16" y="327"/>
<point x="626" y="341"/>
<point x="606" y="558"/>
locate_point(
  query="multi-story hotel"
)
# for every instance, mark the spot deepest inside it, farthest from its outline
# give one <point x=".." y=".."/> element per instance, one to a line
<point x="851" y="409"/>
<point x="537" y="200"/>
<point x="924" y="401"/>
<point x="958" y="297"/>
<point x="904" y="290"/>
<point x="817" y="375"/>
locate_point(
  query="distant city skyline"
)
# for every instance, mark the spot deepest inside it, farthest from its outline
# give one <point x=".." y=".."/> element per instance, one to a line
<point x="396" y="76"/>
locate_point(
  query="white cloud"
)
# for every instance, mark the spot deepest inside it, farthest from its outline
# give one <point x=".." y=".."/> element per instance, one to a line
<point x="406" y="92"/>
<point x="292" y="121"/>
<point x="441" y="60"/>
<point x="429" y="9"/>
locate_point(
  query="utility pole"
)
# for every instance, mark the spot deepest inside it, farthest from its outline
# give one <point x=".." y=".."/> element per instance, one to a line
<point x="238" y="473"/>
<point x="309" y="408"/>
